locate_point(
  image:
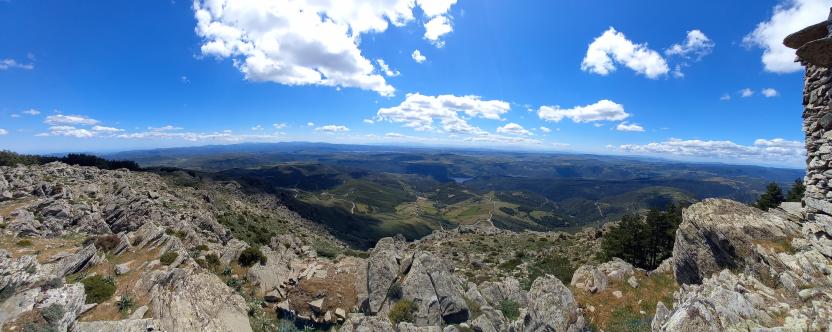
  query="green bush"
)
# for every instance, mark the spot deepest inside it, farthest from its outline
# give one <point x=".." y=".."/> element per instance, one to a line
<point x="250" y="256"/>
<point x="98" y="289"/>
<point x="395" y="291"/>
<point x="24" y="243"/>
<point x="510" y="309"/>
<point x="53" y="313"/>
<point x="402" y="311"/>
<point x="52" y="284"/>
<point x="125" y="303"/>
<point x="771" y="198"/>
<point x="168" y="258"/>
<point x="201" y="247"/>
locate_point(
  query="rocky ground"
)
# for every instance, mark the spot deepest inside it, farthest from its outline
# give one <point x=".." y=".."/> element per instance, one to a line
<point x="84" y="249"/>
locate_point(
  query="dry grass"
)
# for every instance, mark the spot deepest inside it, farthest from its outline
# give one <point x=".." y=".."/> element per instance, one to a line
<point x="783" y="245"/>
<point x="609" y="311"/>
<point x="43" y="248"/>
<point x="7" y="208"/>
<point x="124" y="283"/>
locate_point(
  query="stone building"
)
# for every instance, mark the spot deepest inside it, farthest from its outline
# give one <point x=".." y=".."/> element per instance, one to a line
<point x="814" y="51"/>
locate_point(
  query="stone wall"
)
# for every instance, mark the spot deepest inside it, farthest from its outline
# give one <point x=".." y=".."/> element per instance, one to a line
<point x="817" y="126"/>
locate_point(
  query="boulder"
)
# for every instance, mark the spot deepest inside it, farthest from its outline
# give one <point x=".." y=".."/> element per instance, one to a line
<point x="552" y="307"/>
<point x="361" y="323"/>
<point x="718" y="234"/>
<point x="436" y="292"/>
<point x="189" y="301"/>
<point x="122" y="268"/>
<point x="382" y="270"/>
<point x="593" y="278"/>
<point x="126" y="325"/>
<point x="507" y="289"/>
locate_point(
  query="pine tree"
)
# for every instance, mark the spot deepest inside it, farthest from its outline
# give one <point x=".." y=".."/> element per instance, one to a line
<point x="771" y="198"/>
<point x="796" y="193"/>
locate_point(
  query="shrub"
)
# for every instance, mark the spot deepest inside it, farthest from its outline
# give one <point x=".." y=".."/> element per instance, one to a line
<point x="250" y="256"/>
<point x="212" y="260"/>
<point x="168" y="258"/>
<point x="234" y="283"/>
<point x="510" y="309"/>
<point x="771" y="198"/>
<point x="395" y="291"/>
<point x="796" y="193"/>
<point x="53" y="313"/>
<point x="24" y="243"/>
<point x="7" y="291"/>
<point x="98" y="289"/>
<point x="201" y="247"/>
<point x="52" y="284"/>
<point x="402" y="311"/>
<point x="125" y="303"/>
<point x="107" y="242"/>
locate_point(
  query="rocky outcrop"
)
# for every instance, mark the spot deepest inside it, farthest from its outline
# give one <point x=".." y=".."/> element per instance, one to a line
<point x="592" y="278"/>
<point x="126" y="325"/>
<point x="718" y="234"/>
<point x="552" y="307"/>
<point x="191" y="301"/>
<point x="361" y="323"/>
<point x="68" y="298"/>
<point x="436" y="292"/>
<point x="382" y="271"/>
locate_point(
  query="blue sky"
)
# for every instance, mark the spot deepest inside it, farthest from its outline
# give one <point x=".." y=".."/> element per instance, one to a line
<point x="637" y="77"/>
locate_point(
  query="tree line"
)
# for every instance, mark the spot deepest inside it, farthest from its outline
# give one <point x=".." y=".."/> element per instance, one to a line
<point x="774" y="195"/>
<point x="9" y="158"/>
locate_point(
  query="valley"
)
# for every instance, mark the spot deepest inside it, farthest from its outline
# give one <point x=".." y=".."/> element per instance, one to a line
<point x="364" y="193"/>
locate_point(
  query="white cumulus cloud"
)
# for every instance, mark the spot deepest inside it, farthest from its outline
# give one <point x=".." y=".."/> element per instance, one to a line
<point x="280" y="125"/>
<point x="629" y="127"/>
<point x="108" y="130"/>
<point x="545" y="130"/>
<point x="13" y="64"/>
<point x="603" y="110"/>
<point x="306" y="42"/>
<point x="332" y="128"/>
<point x="386" y="69"/>
<point x="31" y="111"/>
<point x="745" y="93"/>
<point x="777" y="149"/>
<point x="613" y="47"/>
<point x="420" y="112"/>
<point x="770" y="92"/>
<point x="513" y="129"/>
<point x="61" y="119"/>
<point x="418" y="57"/>
<point x="3" y="132"/>
<point x="788" y="16"/>
<point x="696" y="46"/>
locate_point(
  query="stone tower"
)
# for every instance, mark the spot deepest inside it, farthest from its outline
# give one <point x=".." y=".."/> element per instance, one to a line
<point x="814" y="51"/>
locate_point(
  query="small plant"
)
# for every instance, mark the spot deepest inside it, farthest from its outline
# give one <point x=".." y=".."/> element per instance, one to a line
<point x="395" y="291"/>
<point x="107" y="242"/>
<point x="53" y="314"/>
<point x="250" y="256"/>
<point x="234" y="283"/>
<point x="227" y="271"/>
<point x="168" y="258"/>
<point x="201" y="247"/>
<point x="24" y="243"/>
<point x="7" y="291"/>
<point x="402" y="311"/>
<point x="137" y="240"/>
<point x="125" y="303"/>
<point x="212" y="260"/>
<point x="98" y="289"/>
<point x="52" y="284"/>
<point x="510" y="309"/>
